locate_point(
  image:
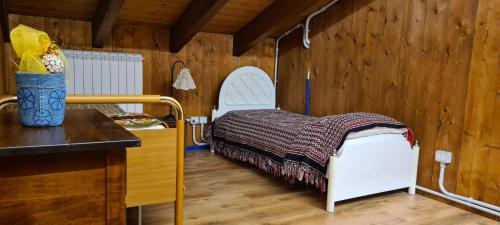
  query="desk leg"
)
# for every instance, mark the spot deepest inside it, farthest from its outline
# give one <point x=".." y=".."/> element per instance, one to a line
<point x="116" y="173"/>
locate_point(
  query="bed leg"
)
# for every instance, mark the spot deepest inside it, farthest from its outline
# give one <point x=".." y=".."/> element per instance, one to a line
<point x="412" y="189"/>
<point x="330" y="200"/>
<point x="415" y="153"/>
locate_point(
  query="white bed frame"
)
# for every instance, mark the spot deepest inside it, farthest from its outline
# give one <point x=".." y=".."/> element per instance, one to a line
<point x="366" y="166"/>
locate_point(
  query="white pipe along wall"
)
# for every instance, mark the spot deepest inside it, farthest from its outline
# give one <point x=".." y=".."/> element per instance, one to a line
<point x="493" y="212"/>
<point x="276" y="52"/>
<point x="470" y="202"/>
<point x="194" y="135"/>
<point x="202" y="131"/>
<point x="201" y="120"/>
<point x="306" y="40"/>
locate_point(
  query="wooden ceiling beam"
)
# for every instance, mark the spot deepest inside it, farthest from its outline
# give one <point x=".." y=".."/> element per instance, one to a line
<point x="192" y="20"/>
<point x="4" y="17"/>
<point x="280" y="15"/>
<point x="103" y="21"/>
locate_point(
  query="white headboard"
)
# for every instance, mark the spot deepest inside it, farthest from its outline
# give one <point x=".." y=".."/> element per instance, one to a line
<point x="246" y="88"/>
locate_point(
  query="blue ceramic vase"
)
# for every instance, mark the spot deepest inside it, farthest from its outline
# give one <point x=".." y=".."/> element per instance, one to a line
<point x="41" y="99"/>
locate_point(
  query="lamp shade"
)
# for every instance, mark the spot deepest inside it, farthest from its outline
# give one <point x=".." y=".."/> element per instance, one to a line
<point x="184" y="80"/>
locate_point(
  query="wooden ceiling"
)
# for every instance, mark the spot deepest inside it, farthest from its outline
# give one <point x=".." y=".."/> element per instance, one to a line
<point x="159" y="12"/>
<point x="232" y="17"/>
<point x="68" y="9"/>
<point x="235" y="15"/>
<point x="214" y="16"/>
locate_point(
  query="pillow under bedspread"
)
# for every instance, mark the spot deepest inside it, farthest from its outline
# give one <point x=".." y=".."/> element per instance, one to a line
<point x="286" y="144"/>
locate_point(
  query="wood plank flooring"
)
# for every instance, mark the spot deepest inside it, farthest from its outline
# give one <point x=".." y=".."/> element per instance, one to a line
<point x="220" y="191"/>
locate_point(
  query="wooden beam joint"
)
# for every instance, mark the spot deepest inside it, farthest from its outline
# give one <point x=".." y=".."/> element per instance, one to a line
<point x="192" y="20"/>
<point x="104" y="19"/>
<point x="279" y="16"/>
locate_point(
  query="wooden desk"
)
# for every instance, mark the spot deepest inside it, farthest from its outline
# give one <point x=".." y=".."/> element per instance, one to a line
<point x="72" y="174"/>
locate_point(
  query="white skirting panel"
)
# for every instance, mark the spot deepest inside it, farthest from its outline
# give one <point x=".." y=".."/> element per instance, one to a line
<point x="106" y="73"/>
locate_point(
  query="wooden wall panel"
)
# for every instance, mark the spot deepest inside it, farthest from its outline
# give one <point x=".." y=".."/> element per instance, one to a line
<point x="409" y="60"/>
<point x="208" y="56"/>
<point x="479" y="168"/>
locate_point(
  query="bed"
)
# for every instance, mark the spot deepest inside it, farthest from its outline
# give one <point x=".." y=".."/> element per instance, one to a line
<point x="375" y="159"/>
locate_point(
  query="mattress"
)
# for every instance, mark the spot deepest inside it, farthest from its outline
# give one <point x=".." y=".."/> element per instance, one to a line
<point x="373" y="142"/>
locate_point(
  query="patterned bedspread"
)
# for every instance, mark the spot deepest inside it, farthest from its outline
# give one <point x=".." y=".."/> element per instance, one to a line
<point x="286" y="144"/>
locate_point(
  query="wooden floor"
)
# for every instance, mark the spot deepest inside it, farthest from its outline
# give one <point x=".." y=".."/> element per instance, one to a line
<point x="220" y="191"/>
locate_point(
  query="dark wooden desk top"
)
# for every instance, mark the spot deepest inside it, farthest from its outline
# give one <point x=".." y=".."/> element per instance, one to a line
<point x="82" y="130"/>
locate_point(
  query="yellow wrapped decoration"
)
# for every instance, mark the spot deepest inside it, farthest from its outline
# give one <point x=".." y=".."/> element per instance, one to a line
<point x="30" y="63"/>
<point x="30" y="46"/>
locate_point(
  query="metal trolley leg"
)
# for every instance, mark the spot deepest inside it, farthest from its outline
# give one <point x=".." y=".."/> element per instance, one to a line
<point x="139" y="215"/>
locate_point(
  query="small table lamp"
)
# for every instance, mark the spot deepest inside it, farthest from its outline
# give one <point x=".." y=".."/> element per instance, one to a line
<point x="184" y="81"/>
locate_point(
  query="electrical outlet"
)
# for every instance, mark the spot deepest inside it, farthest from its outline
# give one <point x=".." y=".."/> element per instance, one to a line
<point x="443" y="156"/>
<point x="203" y="120"/>
<point x="194" y="120"/>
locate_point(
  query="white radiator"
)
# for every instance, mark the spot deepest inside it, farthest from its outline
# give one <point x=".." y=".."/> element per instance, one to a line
<point x="106" y="73"/>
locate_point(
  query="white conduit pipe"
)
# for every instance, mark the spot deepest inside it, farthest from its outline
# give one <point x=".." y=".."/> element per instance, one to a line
<point x="493" y="212"/>
<point x="485" y="207"/>
<point x="471" y="200"/>
<point x="276" y="51"/>
<point x="194" y="136"/>
<point x="306" y="40"/>
<point x="201" y="132"/>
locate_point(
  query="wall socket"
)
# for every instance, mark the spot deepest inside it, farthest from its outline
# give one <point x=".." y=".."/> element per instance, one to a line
<point x="198" y="120"/>
<point x="443" y="156"/>
<point x="194" y="120"/>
